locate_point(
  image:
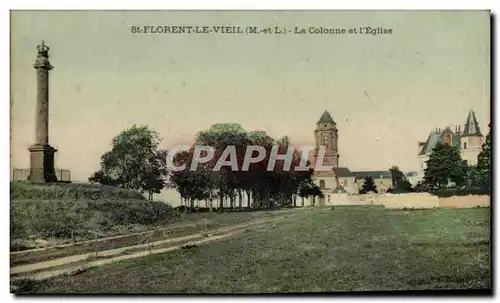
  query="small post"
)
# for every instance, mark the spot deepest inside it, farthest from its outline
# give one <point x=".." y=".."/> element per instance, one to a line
<point x="149" y="240"/>
<point x="149" y="248"/>
<point x="96" y="245"/>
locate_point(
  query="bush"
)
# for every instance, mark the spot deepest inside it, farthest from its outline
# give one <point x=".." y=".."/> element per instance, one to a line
<point x="398" y="191"/>
<point x="71" y="191"/>
<point x="444" y="193"/>
<point x="64" y="218"/>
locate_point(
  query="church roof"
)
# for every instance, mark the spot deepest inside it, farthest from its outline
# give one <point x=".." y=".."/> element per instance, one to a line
<point x="343" y="172"/>
<point x="471" y="126"/>
<point x="325" y="118"/>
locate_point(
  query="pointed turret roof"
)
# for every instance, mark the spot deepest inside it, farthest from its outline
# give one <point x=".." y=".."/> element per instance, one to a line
<point x="471" y="126"/>
<point x="325" y="118"/>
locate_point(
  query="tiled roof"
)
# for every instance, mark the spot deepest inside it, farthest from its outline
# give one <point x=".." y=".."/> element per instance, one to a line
<point x="325" y="118"/>
<point x="435" y="137"/>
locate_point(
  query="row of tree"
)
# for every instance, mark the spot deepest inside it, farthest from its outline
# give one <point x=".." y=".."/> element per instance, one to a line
<point x="136" y="162"/>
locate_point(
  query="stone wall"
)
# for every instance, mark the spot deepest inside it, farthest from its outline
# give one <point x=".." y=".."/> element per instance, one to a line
<point x="464" y="201"/>
<point x="412" y="200"/>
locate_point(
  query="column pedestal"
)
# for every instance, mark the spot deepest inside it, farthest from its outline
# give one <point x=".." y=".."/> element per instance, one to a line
<point x="42" y="163"/>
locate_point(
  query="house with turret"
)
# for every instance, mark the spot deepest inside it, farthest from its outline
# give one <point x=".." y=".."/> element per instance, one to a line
<point x="469" y="142"/>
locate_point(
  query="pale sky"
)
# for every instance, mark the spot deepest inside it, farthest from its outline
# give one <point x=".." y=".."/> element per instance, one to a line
<point x="385" y="92"/>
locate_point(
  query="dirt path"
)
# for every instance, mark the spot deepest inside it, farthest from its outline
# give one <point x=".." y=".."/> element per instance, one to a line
<point x="42" y="270"/>
<point x="52" y="273"/>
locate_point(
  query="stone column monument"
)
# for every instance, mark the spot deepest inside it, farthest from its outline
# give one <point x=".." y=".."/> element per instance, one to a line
<point x="41" y="153"/>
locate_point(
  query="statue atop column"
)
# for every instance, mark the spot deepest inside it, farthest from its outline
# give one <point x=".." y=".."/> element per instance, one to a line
<point x="42" y="59"/>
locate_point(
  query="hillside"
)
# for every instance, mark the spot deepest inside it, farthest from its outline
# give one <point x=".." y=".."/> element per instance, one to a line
<point x="53" y="213"/>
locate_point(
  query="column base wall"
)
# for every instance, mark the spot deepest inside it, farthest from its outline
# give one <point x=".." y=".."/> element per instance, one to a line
<point x="42" y="163"/>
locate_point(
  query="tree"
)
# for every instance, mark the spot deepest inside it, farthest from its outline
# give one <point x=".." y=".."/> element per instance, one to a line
<point x="396" y="175"/>
<point x="368" y="186"/>
<point x="399" y="182"/>
<point x="134" y="162"/>
<point x="307" y="188"/>
<point x="445" y="166"/>
<point x="154" y="179"/>
<point x="484" y="162"/>
<point x="473" y="178"/>
<point x="420" y="187"/>
<point x="101" y="178"/>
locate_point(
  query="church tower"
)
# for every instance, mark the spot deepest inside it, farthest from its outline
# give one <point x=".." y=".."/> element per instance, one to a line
<point x="326" y="135"/>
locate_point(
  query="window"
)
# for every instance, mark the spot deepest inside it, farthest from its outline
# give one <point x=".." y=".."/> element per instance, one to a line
<point x="465" y="145"/>
<point x="344" y="182"/>
<point x="321" y="183"/>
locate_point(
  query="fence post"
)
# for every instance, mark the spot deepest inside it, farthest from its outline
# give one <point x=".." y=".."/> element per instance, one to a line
<point x="95" y="245"/>
<point x="149" y="248"/>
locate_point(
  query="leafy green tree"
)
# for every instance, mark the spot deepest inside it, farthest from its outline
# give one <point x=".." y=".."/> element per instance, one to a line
<point x="399" y="181"/>
<point x="420" y="187"/>
<point x="307" y="188"/>
<point x="484" y="162"/>
<point x="445" y="165"/>
<point x="134" y="162"/>
<point x="396" y="175"/>
<point x="277" y="188"/>
<point x="473" y="178"/>
<point x="368" y="186"/>
<point x="154" y="179"/>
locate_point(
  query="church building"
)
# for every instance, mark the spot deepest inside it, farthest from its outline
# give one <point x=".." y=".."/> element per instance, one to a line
<point x="339" y="179"/>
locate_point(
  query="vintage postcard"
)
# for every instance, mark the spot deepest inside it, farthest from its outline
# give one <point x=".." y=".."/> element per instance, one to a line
<point x="250" y="152"/>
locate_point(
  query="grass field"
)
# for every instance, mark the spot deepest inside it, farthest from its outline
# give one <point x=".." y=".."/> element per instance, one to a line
<point x="318" y="249"/>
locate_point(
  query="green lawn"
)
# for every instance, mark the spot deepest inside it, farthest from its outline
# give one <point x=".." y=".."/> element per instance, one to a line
<point x="344" y="249"/>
